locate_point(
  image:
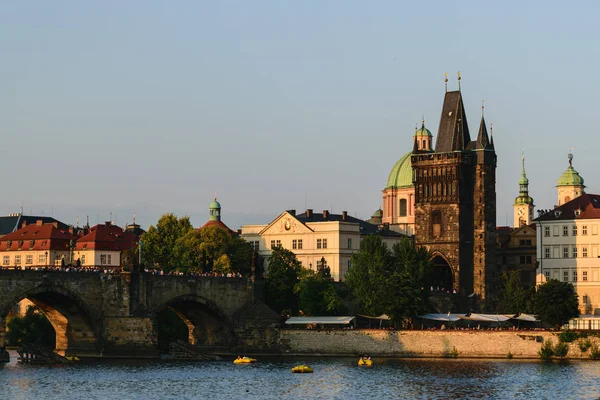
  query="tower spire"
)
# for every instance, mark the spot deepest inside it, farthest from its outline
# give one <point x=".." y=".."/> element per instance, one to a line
<point x="570" y="156"/>
<point x="459" y="81"/>
<point x="446" y="80"/>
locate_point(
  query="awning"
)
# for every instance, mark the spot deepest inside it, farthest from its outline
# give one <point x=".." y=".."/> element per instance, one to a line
<point x="319" y="320"/>
<point x="381" y="317"/>
<point x="441" y="317"/>
<point x="485" y="317"/>
<point x="526" y="317"/>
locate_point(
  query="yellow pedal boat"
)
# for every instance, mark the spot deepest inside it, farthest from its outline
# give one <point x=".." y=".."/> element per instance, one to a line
<point x="302" y="369"/>
<point x="365" y="362"/>
<point x="244" y="360"/>
<point x="72" y="358"/>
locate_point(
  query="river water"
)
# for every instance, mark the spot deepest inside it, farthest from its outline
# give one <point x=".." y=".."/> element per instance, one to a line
<point x="332" y="379"/>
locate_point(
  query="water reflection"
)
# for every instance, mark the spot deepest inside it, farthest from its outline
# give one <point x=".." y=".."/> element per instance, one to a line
<point x="333" y="378"/>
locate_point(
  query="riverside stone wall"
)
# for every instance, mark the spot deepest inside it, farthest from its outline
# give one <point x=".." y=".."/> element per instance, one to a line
<point x="468" y="344"/>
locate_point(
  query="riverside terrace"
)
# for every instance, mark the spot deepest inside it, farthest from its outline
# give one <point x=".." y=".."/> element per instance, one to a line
<point x="114" y="314"/>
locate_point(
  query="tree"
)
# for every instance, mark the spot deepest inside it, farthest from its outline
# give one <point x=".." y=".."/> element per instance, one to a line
<point x="317" y="294"/>
<point x="515" y="298"/>
<point x="159" y="242"/>
<point x="556" y="302"/>
<point x="33" y="327"/>
<point x="391" y="282"/>
<point x="188" y="253"/>
<point x="282" y="276"/>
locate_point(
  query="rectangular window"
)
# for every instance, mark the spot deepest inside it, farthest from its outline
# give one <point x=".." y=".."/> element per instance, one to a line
<point x="525" y="242"/>
<point x="574" y="230"/>
<point x="109" y="259"/>
<point x="319" y="243"/>
<point x="299" y="244"/>
<point x="18" y="260"/>
<point x="324" y="243"/>
<point x="272" y="244"/>
<point x="41" y="259"/>
<point x="584" y="276"/>
<point x="575" y="276"/>
<point x="294" y="244"/>
<point x="255" y="245"/>
<point x="565" y="276"/>
<point x="525" y="260"/>
<point x="585" y="299"/>
<point x="29" y="259"/>
<point x="6" y="260"/>
<point x="103" y="259"/>
<point x="584" y="252"/>
<point x="565" y="252"/>
<point x="349" y="243"/>
<point x="547" y="275"/>
<point x="278" y="243"/>
<point x="584" y="230"/>
<point x="349" y="264"/>
<point x="565" y="230"/>
<point x="546" y="252"/>
<point x="83" y="259"/>
<point x="547" y="231"/>
<point x="574" y="252"/>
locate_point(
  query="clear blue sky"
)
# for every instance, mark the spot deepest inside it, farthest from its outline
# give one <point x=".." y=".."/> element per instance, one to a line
<point x="152" y="106"/>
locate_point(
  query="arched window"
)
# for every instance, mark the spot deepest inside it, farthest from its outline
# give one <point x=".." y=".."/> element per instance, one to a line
<point x="403" y="207"/>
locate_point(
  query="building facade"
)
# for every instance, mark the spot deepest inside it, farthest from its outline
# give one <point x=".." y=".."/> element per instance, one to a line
<point x="319" y="240"/>
<point x="103" y="245"/>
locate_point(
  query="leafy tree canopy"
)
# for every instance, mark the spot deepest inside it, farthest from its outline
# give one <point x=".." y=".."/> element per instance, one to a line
<point x="556" y="302"/>
<point x="317" y="294"/>
<point x="159" y="242"/>
<point x="33" y="327"/>
<point x="392" y="282"/>
<point x="515" y="298"/>
<point x="282" y="277"/>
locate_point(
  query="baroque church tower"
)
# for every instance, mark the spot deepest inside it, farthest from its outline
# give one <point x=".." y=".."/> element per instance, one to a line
<point x="455" y="203"/>
<point x="523" y="207"/>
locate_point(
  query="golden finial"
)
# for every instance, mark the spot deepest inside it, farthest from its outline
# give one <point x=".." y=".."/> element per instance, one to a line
<point x="446" y="80"/>
<point x="215" y="195"/>
<point x="482" y="107"/>
<point x="459" y="80"/>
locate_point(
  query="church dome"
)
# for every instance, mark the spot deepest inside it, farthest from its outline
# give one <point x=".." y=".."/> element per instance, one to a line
<point x="214" y="205"/>
<point x="378" y="213"/>
<point x="570" y="178"/>
<point x="423" y="132"/>
<point x="401" y="175"/>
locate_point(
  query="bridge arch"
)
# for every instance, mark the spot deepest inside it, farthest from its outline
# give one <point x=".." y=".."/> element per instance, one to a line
<point x="76" y="327"/>
<point x="206" y="324"/>
<point x="443" y="276"/>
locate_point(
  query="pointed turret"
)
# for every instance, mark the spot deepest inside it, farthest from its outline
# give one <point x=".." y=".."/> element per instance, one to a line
<point x="423" y="138"/>
<point x="523" y="207"/>
<point x="453" y="134"/>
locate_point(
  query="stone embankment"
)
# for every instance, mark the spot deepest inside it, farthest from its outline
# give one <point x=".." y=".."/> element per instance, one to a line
<point x="434" y="344"/>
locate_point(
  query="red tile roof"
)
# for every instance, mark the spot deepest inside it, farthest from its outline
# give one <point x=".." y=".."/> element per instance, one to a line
<point x="586" y="206"/>
<point x="37" y="237"/>
<point x="219" y="224"/>
<point x="107" y="237"/>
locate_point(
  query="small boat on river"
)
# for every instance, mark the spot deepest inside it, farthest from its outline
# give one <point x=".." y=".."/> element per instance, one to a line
<point x="244" y="360"/>
<point x="302" y="369"/>
<point x="365" y="362"/>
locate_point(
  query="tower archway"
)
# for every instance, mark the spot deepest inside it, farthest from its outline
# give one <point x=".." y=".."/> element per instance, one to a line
<point x="442" y="276"/>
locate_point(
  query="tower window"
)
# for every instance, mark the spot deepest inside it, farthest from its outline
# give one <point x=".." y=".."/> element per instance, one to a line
<point x="436" y="223"/>
<point x="403" y="207"/>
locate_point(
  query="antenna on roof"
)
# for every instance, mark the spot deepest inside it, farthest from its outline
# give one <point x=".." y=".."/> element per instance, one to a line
<point x="446" y="80"/>
<point x="133" y="218"/>
<point x="459" y="81"/>
<point x="77" y="221"/>
<point x="87" y="220"/>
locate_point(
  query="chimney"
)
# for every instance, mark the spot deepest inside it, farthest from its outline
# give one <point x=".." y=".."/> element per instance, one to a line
<point x="39" y="222"/>
<point x="108" y="223"/>
<point x="293" y="212"/>
<point x="344" y="215"/>
<point x="309" y="213"/>
<point x="325" y="214"/>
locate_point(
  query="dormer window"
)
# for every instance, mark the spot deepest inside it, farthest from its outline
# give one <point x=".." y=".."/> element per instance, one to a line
<point x="557" y="213"/>
<point x="577" y="212"/>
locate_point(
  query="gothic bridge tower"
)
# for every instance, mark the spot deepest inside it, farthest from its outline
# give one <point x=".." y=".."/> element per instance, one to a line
<point x="455" y="203"/>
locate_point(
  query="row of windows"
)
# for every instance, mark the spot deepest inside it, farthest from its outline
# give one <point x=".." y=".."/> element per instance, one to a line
<point x="41" y="260"/>
<point x="565" y="252"/>
<point x="565" y="230"/>
<point x="296" y="244"/>
<point x="105" y="259"/>
<point x="574" y="276"/>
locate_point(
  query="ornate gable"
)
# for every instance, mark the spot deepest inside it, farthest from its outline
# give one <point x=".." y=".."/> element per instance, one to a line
<point x="285" y="223"/>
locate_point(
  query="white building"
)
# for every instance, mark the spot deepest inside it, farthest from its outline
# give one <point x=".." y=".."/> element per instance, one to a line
<point x="316" y="238"/>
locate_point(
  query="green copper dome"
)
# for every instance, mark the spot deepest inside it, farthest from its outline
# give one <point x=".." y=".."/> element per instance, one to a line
<point x="401" y="175"/>
<point x="214" y="205"/>
<point x="524" y="200"/>
<point x="423" y="132"/>
<point x="570" y="178"/>
<point x="378" y="213"/>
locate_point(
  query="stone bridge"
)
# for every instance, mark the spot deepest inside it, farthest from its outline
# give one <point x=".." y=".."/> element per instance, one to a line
<point x="115" y="315"/>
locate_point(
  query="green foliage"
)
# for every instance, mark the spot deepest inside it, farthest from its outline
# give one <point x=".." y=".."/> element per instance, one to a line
<point x="584" y="345"/>
<point x="175" y="245"/>
<point x="170" y="328"/>
<point x="555" y="303"/>
<point x="454" y="352"/>
<point x="33" y="327"/>
<point x="515" y="298"/>
<point x="391" y="282"/>
<point x="567" y="336"/>
<point x="594" y="352"/>
<point x="561" y="350"/>
<point x="546" y="351"/>
<point x="282" y="277"/>
<point x="317" y="294"/>
<point x="159" y="242"/>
